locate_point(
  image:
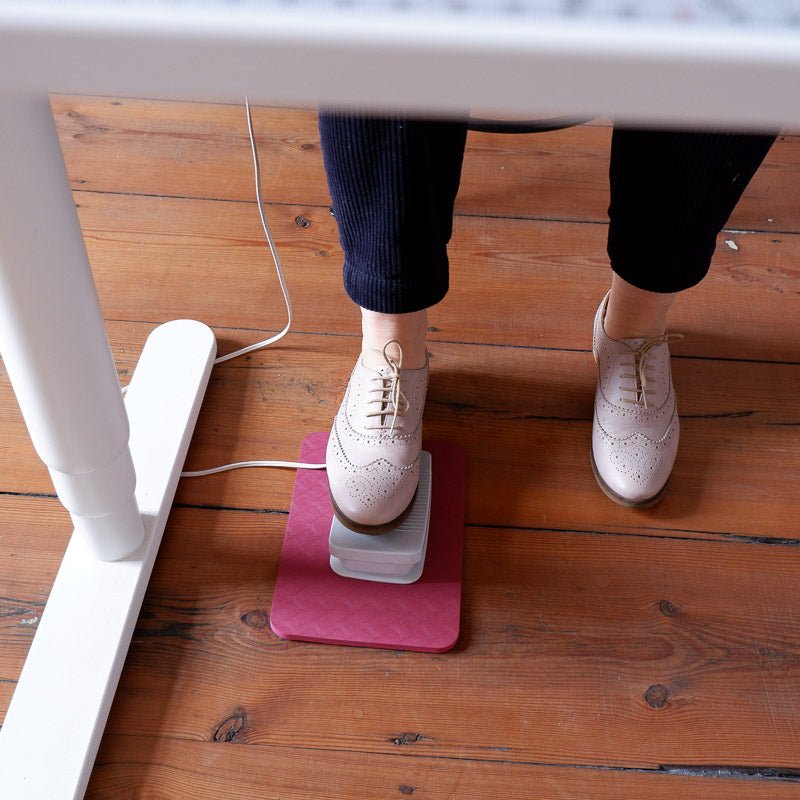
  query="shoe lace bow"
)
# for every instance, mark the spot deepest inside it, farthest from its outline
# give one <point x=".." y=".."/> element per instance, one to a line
<point x="386" y="393"/>
<point x="642" y="380"/>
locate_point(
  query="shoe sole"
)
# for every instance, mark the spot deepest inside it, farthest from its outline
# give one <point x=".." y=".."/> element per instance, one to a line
<point x="619" y="499"/>
<point x="371" y="530"/>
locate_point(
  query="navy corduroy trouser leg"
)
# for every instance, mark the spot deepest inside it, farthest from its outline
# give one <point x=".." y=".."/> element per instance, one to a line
<point x="671" y="194"/>
<point x="394" y="180"/>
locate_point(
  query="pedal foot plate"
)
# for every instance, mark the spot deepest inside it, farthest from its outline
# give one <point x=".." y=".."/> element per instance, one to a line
<point x="312" y="603"/>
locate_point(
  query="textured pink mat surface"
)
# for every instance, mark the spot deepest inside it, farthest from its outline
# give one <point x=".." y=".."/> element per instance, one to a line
<point x="313" y="604"/>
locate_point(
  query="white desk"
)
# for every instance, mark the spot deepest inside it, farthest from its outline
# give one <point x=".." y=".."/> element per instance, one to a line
<point x="724" y="61"/>
<point x="636" y="62"/>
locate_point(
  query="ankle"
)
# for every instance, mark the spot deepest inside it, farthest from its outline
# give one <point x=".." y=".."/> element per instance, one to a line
<point x="634" y="313"/>
<point x="410" y="330"/>
<point x="636" y="329"/>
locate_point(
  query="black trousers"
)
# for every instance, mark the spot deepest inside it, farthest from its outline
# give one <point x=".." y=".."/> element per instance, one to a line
<point x="394" y="181"/>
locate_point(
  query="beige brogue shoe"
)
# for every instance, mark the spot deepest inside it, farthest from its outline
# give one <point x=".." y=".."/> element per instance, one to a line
<point x="373" y="450"/>
<point x="635" y="429"/>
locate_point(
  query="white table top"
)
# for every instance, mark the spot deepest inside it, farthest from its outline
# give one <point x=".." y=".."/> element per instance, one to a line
<point x="676" y="61"/>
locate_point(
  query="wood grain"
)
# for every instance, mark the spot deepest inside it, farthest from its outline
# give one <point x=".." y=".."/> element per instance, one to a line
<point x="524" y="418"/>
<point x="197" y="150"/>
<point x="33" y="536"/>
<point x="575" y="649"/>
<point x="525" y="283"/>
<point x="207" y="771"/>
<point x="561" y="633"/>
<point x="603" y="652"/>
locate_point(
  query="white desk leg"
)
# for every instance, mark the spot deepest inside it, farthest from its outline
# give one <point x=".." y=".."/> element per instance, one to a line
<point x="56" y="352"/>
<point x="52" y="336"/>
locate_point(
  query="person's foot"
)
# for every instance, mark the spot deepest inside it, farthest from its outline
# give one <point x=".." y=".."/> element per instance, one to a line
<point x="635" y="429"/>
<point x="373" y="450"/>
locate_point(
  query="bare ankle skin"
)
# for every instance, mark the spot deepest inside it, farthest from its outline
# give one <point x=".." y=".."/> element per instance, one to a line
<point x="633" y="313"/>
<point x="410" y="330"/>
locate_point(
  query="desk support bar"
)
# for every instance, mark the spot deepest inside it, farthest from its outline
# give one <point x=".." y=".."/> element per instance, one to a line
<point x="50" y="736"/>
<point x="52" y="336"/>
<point x="118" y="492"/>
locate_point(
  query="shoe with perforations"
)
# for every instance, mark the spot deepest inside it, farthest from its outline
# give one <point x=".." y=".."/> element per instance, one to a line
<point x="636" y="428"/>
<point x="373" y="451"/>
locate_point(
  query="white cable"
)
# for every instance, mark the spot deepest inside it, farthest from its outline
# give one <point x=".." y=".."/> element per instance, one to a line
<point x="241" y="464"/>
<point x="266" y="342"/>
<point x="273" y="249"/>
<point x="258" y="345"/>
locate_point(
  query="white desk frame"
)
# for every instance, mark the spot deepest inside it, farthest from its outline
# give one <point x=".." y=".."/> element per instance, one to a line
<point x="55" y="350"/>
<point x="51" y="332"/>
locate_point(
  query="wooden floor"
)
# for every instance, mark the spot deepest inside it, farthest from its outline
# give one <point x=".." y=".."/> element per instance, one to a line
<point x="604" y="653"/>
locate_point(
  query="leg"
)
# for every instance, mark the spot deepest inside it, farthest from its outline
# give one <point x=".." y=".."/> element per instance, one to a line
<point x="634" y="312"/>
<point x="57" y="356"/>
<point x="53" y="338"/>
<point x="410" y="330"/>
<point x="393" y="182"/>
<point x="671" y="193"/>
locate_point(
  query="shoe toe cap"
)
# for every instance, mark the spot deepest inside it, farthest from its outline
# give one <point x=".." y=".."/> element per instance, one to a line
<point x="376" y="494"/>
<point x="373" y="494"/>
<point x="635" y="469"/>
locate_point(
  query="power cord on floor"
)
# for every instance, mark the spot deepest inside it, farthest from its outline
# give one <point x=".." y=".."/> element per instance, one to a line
<point x="272" y="248"/>
<point x="266" y="342"/>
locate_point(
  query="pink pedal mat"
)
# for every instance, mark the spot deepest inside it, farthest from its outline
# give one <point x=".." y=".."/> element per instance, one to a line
<point x="313" y="604"/>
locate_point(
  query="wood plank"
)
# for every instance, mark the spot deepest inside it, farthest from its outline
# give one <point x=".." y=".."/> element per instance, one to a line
<point x="524" y="419"/>
<point x="189" y="149"/>
<point x="567" y="641"/>
<point x="207" y="771"/>
<point x="564" y="632"/>
<point x="525" y="422"/>
<point x="564" y="637"/>
<point x="197" y="150"/>
<point x="73" y="666"/>
<point x="156" y="259"/>
<point x="34" y="532"/>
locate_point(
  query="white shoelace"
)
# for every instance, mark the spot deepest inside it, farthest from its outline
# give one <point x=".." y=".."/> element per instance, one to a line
<point x="640" y="376"/>
<point x="389" y="398"/>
